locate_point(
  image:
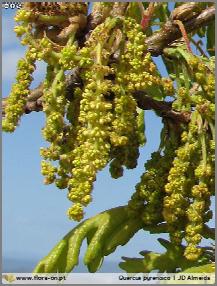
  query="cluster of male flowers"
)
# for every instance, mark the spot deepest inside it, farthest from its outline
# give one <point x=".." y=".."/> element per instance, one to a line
<point x="178" y="183"/>
<point x="101" y="122"/>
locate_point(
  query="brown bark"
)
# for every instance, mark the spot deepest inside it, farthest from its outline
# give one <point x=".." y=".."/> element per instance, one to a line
<point x="163" y="109"/>
<point x="171" y="32"/>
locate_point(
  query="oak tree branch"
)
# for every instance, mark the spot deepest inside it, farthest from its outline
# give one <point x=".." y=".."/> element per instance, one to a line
<point x="171" y="32"/>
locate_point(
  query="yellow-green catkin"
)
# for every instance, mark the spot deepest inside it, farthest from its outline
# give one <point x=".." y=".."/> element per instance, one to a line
<point x="178" y="188"/>
<point x="92" y="152"/>
<point x="190" y="185"/>
<point x="124" y="136"/>
<point x="147" y="201"/>
<point x="54" y="107"/>
<point x="93" y="145"/>
<point x="204" y="75"/>
<point x="20" y="90"/>
<point x="198" y="212"/>
<point x="135" y="72"/>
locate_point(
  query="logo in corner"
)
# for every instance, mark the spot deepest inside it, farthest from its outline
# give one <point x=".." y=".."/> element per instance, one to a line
<point x="9" y="277"/>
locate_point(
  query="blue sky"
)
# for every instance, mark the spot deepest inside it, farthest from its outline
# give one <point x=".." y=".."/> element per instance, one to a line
<point x="34" y="215"/>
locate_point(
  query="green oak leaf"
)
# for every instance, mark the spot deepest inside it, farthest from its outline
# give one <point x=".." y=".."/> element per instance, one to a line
<point x="169" y="261"/>
<point x="104" y="232"/>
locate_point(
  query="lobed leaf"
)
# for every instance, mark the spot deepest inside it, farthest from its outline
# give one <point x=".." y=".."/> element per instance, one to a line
<point x="112" y="226"/>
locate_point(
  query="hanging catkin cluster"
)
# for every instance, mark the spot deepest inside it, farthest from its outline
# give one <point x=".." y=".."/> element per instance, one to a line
<point x="97" y="122"/>
<point x="98" y="70"/>
<point x="133" y="73"/>
<point x="177" y="185"/>
<point x="101" y="121"/>
<point x="19" y="92"/>
<point x="147" y="201"/>
<point x="191" y="179"/>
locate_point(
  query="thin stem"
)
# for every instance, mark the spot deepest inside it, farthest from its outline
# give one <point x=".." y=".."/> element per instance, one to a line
<point x="204" y="151"/>
<point x="212" y="127"/>
<point x="71" y="39"/>
<point x="184" y="34"/>
<point x="98" y="54"/>
<point x="52" y="20"/>
<point x="197" y="45"/>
